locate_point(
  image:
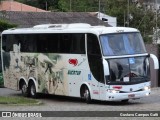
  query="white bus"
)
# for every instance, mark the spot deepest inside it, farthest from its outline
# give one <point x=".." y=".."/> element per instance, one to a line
<point x="77" y="60"/>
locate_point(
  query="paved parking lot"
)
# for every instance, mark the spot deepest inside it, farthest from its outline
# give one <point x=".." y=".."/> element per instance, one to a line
<point x="57" y="103"/>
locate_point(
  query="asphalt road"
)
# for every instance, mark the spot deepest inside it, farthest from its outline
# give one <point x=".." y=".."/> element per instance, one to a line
<point x="57" y="103"/>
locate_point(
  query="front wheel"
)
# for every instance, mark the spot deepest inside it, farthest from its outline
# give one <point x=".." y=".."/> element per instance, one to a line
<point x="87" y="95"/>
<point x="32" y="90"/>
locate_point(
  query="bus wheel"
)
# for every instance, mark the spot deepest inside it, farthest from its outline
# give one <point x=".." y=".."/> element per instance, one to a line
<point x="24" y="90"/>
<point x="32" y="90"/>
<point x="87" y="95"/>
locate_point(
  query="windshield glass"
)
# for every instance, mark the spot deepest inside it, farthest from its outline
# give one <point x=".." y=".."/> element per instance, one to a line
<point x="128" y="70"/>
<point x="122" y="44"/>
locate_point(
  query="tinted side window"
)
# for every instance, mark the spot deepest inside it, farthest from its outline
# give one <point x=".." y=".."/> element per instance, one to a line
<point x="78" y="44"/>
<point x="93" y="45"/>
<point x="45" y="43"/>
<point x="4" y="37"/>
<point x="72" y="43"/>
<point x="27" y="42"/>
<point x="8" y="41"/>
<point x="16" y="42"/>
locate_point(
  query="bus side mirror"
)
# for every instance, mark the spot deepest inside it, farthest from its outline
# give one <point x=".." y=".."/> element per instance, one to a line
<point x="105" y="67"/>
<point x="155" y="60"/>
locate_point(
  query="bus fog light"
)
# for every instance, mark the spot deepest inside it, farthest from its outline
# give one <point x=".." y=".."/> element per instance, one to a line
<point x="146" y="88"/>
<point x="147" y="94"/>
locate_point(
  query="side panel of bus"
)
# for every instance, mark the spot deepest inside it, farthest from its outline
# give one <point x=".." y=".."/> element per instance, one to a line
<point x="61" y="74"/>
<point x="54" y="73"/>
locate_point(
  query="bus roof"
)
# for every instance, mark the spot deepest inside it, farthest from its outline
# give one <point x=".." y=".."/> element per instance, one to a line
<point x="69" y="28"/>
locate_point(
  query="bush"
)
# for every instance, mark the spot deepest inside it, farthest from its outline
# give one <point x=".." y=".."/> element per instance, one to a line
<point x="5" y="25"/>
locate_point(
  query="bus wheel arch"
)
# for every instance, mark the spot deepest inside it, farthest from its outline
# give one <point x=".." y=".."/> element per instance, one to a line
<point x="23" y="87"/>
<point x="32" y="88"/>
<point x="85" y="93"/>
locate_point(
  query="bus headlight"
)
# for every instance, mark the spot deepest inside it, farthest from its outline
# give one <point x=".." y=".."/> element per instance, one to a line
<point x="147" y="94"/>
<point x="146" y="88"/>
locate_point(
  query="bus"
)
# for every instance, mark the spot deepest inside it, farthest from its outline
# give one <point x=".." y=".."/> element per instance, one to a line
<point x="77" y="60"/>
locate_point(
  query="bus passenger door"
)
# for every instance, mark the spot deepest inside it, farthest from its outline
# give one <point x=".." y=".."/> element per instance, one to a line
<point x="96" y="67"/>
<point x="102" y="84"/>
<point x="104" y="70"/>
<point x="102" y="91"/>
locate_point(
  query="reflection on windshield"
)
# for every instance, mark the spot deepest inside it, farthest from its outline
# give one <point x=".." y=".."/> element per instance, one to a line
<point x="122" y="44"/>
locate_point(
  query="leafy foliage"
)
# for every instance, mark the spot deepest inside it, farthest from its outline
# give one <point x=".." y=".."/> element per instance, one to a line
<point x="5" y="25"/>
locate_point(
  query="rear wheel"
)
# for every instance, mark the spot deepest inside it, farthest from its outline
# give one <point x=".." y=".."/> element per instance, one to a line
<point x="24" y="90"/>
<point x="32" y="90"/>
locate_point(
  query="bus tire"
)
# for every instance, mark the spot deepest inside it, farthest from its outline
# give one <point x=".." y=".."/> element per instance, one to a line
<point x="87" y="95"/>
<point x="24" y="89"/>
<point x="32" y="90"/>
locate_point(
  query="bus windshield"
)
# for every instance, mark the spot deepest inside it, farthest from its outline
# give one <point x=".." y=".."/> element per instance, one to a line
<point x="122" y="44"/>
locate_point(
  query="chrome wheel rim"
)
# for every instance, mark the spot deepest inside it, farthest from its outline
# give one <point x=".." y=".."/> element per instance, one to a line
<point x="24" y="89"/>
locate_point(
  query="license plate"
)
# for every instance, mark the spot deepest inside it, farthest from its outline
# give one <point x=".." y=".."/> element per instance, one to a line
<point x="131" y="95"/>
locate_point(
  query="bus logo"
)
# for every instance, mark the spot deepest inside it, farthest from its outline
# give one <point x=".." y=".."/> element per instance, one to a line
<point x="74" y="72"/>
<point x="73" y="61"/>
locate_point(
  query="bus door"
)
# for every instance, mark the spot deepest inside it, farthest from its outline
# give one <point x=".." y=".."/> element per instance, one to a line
<point x="102" y="90"/>
<point x="96" y="67"/>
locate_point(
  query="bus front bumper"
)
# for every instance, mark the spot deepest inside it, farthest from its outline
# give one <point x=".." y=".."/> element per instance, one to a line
<point x="124" y="96"/>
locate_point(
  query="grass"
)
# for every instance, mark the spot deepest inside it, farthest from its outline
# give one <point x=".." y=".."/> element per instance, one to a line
<point x="17" y="101"/>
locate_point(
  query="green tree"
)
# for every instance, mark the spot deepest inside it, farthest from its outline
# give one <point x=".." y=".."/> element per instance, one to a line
<point x="80" y="5"/>
<point x="63" y="6"/>
<point x="29" y="2"/>
<point x="140" y="18"/>
<point x="48" y="4"/>
<point x="5" y="25"/>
